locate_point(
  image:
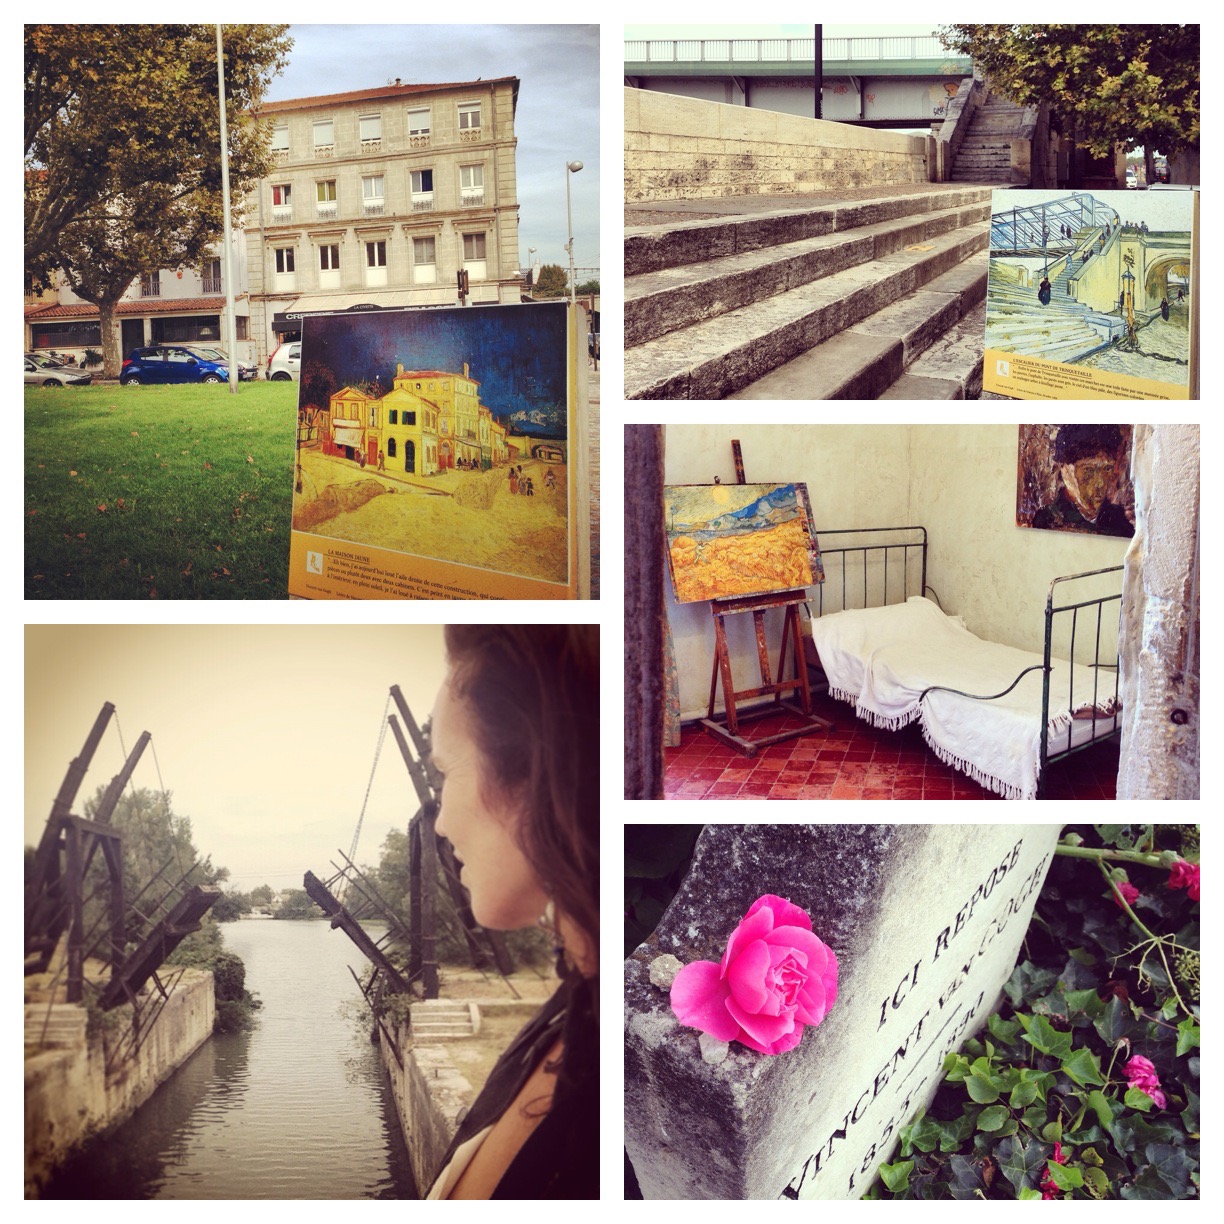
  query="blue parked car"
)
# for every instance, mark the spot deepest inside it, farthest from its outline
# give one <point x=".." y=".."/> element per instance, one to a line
<point x="170" y="363"/>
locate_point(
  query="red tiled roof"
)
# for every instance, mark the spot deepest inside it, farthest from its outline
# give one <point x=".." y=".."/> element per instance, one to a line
<point x="370" y="95"/>
<point x="140" y="306"/>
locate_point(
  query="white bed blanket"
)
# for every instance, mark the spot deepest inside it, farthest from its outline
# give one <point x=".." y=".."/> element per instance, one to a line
<point x="881" y="659"/>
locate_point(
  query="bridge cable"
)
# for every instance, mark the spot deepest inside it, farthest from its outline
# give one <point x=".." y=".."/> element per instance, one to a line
<point x="382" y="735"/>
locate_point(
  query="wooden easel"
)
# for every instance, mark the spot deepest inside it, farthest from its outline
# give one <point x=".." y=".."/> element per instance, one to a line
<point x="726" y="728"/>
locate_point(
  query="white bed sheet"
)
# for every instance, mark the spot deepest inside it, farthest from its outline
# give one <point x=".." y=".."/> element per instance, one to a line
<point x="881" y="659"/>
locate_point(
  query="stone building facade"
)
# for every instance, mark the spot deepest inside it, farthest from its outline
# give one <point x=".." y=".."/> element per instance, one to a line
<point x="379" y="197"/>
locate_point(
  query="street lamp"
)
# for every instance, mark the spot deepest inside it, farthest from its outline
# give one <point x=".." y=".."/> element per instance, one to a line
<point x="572" y="168"/>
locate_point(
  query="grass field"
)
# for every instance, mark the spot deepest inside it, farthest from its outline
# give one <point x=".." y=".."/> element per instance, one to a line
<point x="158" y="492"/>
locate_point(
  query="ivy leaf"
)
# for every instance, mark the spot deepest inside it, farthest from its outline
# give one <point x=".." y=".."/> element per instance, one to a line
<point x="1190" y="1115"/>
<point x="1026" y="1193"/>
<point x="1187" y="1036"/>
<point x="1098" y="1102"/>
<point x="1114" y="1023"/>
<point x="1021" y="1165"/>
<point x="981" y="1089"/>
<point x="1086" y="1001"/>
<point x="1136" y="1098"/>
<point x="1174" y="1165"/>
<point x="1083" y="1067"/>
<point x="967" y="1181"/>
<point x="896" y="1176"/>
<point x="1066" y="1177"/>
<point x="992" y="1119"/>
<point x="1024" y="1093"/>
<point x="1043" y="1036"/>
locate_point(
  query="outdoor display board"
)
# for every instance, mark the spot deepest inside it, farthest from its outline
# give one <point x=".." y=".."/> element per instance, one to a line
<point x="1093" y="294"/>
<point x="440" y="455"/>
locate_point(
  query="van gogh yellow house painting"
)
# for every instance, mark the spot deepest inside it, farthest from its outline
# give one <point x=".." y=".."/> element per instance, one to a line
<point x="441" y="436"/>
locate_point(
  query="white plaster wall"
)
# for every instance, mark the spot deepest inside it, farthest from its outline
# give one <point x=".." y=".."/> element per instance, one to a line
<point x="959" y="481"/>
<point x="985" y="568"/>
<point x="857" y="476"/>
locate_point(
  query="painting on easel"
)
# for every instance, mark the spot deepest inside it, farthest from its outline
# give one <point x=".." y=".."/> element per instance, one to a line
<point x="742" y="539"/>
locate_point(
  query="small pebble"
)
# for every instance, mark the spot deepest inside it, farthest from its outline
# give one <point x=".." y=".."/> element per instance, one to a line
<point x="663" y="970"/>
<point x="712" y="1050"/>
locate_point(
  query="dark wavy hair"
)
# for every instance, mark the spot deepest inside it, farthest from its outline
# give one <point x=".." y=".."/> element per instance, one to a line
<point x="533" y="694"/>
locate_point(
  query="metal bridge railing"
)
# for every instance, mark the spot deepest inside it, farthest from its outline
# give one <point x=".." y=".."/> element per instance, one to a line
<point x="760" y="50"/>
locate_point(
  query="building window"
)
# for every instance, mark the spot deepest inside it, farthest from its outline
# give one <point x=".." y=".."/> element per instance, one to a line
<point x="372" y="194"/>
<point x="370" y="132"/>
<point x="284" y="260"/>
<point x="418" y="128"/>
<point x="473" y="247"/>
<point x="391" y="446"/>
<point x="325" y="197"/>
<point x="324" y="138"/>
<point x="150" y="284"/>
<point x="422" y="190"/>
<point x="469" y="120"/>
<point x="409" y="417"/>
<point x="424" y="261"/>
<point x="280" y="140"/>
<point x="376" y="254"/>
<point x="393" y="418"/>
<point x="329" y="258"/>
<point x="282" y="201"/>
<point x="210" y="276"/>
<point x="471" y="185"/>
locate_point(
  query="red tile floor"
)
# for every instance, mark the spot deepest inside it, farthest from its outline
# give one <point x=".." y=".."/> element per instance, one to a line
<point x="854" y="761"/>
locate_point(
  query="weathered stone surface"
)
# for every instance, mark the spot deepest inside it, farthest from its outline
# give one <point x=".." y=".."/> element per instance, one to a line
<point x="1160" y="650"/>
<point x="925" y="921"/>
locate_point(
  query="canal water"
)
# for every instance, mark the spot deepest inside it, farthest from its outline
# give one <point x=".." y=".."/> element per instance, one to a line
<point x="297" y="1108"/>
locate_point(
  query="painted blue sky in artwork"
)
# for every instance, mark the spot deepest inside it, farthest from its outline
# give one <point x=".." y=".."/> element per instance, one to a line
<point x="516" y="353"/>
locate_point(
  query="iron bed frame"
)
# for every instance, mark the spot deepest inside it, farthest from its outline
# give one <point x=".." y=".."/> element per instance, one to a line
<point x="909" y="555"/>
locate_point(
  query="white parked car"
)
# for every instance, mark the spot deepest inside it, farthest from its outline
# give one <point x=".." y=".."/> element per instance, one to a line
<point x="286" y="361"/>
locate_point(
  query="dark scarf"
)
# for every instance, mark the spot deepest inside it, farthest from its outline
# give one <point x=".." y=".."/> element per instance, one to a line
<point x="560" y="1158"/>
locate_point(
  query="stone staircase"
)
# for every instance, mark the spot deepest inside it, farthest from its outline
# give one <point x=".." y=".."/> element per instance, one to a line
<point x="438" y="1019"/>
<point x="831" y="301"/>
<point x="55" y="1026"/>
<point x="985" y="153"/>
<point x="1064" y="330"/>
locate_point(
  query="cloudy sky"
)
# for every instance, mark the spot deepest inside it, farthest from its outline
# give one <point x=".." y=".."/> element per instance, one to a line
<point x="265" y="735"/>
<point x="558" y="111"/>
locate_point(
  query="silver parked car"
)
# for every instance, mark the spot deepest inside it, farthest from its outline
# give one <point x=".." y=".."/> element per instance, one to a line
<point x="43" y="371"/>
<point x="286" y="361"/>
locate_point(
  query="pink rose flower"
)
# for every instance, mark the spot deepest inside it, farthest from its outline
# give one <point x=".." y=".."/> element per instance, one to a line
<point x="1185" y="875"/>
<point x="1141" y="1074"/>
<point x="1049" y="1187"/>
<point x="774" y="978"/>
<point x="1126" y="890"/>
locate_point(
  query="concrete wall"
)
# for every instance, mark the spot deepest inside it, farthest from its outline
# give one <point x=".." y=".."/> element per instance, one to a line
<point x="69" y="1097"/>
<point x="959" y="481"/>
<point x="687" y="148"/>
<point x="430" y="1098"/>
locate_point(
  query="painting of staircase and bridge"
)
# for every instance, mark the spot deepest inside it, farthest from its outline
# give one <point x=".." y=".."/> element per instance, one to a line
<point x="1090" y="295"/>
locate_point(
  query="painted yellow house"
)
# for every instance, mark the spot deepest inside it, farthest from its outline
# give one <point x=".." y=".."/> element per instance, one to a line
<point x="457" y="397"/>
<point x="409" y="438"/>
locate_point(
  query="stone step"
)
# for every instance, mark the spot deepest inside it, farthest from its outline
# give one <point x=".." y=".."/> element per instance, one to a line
<point x="657" y="303"/>
<point x="716" y="357"/>
<point x="651" y="248"/>
<point x="950" y="369"/>
<point x="60" y="1025"/>
<point x="863" y="360"/>
<point x="432" y="1018"/>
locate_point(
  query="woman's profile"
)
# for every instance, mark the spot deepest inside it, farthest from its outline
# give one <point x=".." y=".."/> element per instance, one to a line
<point x="515" y="736"/>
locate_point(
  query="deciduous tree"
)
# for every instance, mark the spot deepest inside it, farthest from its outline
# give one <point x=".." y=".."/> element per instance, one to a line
<point x="122" y="149"/>
<point x="1111" y="85"/>
<point x="551" y="282"/>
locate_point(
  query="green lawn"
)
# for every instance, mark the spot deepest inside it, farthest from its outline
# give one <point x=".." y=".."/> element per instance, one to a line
<point x="158" y="492"/>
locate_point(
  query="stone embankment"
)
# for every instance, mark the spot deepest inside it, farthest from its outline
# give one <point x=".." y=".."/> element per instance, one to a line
<point x="71" y="1095"/>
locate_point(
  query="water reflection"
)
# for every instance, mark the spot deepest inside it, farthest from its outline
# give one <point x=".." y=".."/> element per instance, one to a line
<point x="297" y="1108"/>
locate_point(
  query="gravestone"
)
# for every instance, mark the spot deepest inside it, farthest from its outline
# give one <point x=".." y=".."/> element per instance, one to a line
<point x="926" y="922"/>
